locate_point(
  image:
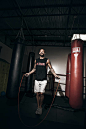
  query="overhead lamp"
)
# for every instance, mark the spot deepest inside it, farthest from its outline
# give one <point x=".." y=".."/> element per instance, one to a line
<point x="79" y="36"/>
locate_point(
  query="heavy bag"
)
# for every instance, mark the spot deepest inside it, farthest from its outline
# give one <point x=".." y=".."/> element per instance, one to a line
<point x="15" y="69"/>
<point x="30" y="65"/>
<point x="68" y="73"/>
<point x="76" y="81"/>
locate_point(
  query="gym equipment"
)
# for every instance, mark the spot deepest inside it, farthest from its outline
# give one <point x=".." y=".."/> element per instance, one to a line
<point x="76" y="81"/>
<point x="29" y="79"/>
<point x="15" y="69"/>
<point x="47" y="112"/>
<point x="68" y="73"/>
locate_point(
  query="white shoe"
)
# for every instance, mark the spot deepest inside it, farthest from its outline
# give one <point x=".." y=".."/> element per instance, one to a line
<point x="39" y="111"/>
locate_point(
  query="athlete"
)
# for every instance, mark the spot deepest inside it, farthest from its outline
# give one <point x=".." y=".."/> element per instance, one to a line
<point x="40" y="67"/>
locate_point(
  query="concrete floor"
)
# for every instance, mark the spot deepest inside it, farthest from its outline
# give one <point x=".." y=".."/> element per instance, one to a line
<point x="57" y="117"/>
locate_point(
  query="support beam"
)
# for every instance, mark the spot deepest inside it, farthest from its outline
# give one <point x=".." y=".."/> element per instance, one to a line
<point x="43" y="15"/>
<point x="82" y="28"/>
<point x="46" y="41"/>
<point x="44" y="6"/>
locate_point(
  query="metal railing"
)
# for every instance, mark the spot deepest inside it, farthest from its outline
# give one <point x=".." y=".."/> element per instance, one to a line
<point x="50" y="83"/>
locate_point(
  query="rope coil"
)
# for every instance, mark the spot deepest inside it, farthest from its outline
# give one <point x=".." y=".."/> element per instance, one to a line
<point x="48" y="110"/>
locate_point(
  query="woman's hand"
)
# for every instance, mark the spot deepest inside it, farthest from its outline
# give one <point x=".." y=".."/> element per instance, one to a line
<point x="27" y="74"/>
<point x="56" y="76"/>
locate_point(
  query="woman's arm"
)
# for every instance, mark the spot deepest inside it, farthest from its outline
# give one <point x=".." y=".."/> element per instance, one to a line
<point x="32" y="71"/>
<point x="52" y="70"/>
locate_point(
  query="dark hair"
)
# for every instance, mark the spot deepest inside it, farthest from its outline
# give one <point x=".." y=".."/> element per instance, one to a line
<point x="43" y="49"/>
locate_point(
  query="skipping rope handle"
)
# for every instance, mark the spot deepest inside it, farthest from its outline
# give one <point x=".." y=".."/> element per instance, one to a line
<point x="57" y="78"/>
<point x="26" y="75"/>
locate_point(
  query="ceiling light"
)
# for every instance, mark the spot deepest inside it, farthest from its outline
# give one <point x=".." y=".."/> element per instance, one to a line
<point x="79" y="36"/>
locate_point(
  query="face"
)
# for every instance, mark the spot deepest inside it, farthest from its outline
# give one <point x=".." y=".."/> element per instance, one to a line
<point x="41" y="52"/>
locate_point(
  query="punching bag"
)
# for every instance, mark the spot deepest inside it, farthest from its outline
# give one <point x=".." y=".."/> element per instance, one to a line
<point x="15" y="69"/>
<point x="68" y="73"/>
<point x="76" y="81"/>
<point x="30" y="66"/>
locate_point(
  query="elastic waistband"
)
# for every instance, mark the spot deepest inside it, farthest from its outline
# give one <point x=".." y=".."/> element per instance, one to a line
<point x="41" y="80"/>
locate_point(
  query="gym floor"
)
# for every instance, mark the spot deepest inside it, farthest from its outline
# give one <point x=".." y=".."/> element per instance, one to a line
<point x="59" y="117"/>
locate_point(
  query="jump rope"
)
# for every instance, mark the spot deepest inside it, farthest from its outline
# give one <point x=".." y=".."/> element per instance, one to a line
<point x="48" y="110"/>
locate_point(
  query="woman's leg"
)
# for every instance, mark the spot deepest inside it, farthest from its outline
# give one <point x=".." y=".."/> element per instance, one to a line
<point x="41" y="99"/>
<point x="38" y="98"/>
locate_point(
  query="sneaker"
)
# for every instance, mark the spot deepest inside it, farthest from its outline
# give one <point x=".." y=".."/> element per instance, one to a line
<point x="39" y="111"/>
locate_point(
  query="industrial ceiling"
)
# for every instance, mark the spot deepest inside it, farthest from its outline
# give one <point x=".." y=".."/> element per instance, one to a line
<point x="44" y="22"/>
